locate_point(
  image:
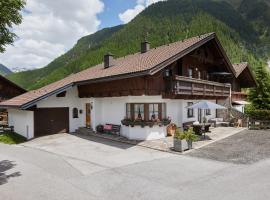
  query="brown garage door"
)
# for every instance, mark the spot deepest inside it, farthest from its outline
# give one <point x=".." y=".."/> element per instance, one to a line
<point x="48" y="121"/>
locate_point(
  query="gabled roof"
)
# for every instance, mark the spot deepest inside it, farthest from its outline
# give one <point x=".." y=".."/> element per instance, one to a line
<point x="133" y="65"/>
<point x="239" y="68"/>
<point x="12" y="84"/>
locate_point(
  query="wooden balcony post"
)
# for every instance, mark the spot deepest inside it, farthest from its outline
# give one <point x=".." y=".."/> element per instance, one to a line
<point x="204" y="88"/>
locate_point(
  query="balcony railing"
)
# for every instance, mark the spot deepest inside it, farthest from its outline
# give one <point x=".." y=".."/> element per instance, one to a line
<point x="238" y="96"/>
<point x="181" y="85"/>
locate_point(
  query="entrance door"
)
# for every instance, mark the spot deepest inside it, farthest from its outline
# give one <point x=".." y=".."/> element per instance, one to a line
<point x="88" y="115"/>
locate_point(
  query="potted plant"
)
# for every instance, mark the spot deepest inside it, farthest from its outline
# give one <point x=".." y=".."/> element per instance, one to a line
<point x="190" y="137"/>
<point x="179" y="142"/>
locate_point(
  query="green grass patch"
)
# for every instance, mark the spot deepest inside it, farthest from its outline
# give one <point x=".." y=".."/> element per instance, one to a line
<point x="11" y="138"/>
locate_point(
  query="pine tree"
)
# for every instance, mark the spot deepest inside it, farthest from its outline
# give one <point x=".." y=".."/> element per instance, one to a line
<point x="260" y="96"/>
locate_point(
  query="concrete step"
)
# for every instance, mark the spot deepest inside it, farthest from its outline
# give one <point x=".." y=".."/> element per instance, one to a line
<point x="84" y="131"/>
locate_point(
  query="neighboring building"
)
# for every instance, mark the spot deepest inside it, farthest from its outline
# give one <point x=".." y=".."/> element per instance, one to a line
<point x="8" y="90"/>
<point x="151" y="85"/>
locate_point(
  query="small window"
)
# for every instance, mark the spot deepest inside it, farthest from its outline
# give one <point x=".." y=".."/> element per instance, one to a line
<point x="190" y="112"/>
<point x="190" y="73"/>
<point x="208" y="112"/>
<point x="139" y="111"/>
<point x="128" y="109"/>
<point x="153" y="111"/>
<point x="62" y="94"/>
<point x="75" y="113"/>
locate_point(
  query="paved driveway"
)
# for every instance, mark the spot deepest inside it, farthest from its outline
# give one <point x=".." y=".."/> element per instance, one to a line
<point x="94" y="154"/>
<point x="48" y="168"/>
<point x="246" y="147"/>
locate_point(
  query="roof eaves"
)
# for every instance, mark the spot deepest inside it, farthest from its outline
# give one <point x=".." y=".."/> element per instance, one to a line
<point x="252" y="74"/>
<point x="238" y="74"/>
<point x="14" y="84"/>
<point x="54" y="92"/>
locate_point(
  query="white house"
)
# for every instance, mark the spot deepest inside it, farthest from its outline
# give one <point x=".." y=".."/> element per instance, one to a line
<point x="143" y="92"/>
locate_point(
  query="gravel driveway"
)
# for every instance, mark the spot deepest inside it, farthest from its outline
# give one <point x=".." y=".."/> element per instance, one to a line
<point x="246" y="147"/>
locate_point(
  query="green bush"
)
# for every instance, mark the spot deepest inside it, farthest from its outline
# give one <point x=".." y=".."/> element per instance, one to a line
<point x="258" y="114"/>
<point x="188" y="135"/>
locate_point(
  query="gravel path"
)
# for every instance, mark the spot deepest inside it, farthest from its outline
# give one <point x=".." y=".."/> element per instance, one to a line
<point x="246" y="147"/>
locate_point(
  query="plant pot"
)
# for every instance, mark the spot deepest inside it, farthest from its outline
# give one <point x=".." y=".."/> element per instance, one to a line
<point x="189" y="143"/>
<point x="179" y="145"/>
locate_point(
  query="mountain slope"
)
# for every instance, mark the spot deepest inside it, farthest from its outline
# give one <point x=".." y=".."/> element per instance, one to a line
<point x="29" y="79"/>
<point x="4" y="70"/>
<point x="165" y="22"/>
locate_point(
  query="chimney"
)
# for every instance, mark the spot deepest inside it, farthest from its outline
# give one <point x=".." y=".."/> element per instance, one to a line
<point x="108" y="60"/>
<point x="145" y="46"/>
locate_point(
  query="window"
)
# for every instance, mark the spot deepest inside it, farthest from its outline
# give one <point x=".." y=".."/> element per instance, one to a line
<point x="128" y="110"/>
<point x="190" y="112"/>
<point x="199" y="74"/>
<point x="75" y="113"/>
<point x="208" y="112"/>
<point x="139" y="111"/>
<point x="190" y="73"/>
<point x="62" y="94"/>
<point x="146" y="111"/>
<point x="153" y="111"/>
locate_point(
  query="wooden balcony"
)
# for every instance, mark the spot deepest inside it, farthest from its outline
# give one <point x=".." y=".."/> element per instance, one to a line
<point x="185" y="87"/>
<point x="239" y="96"/>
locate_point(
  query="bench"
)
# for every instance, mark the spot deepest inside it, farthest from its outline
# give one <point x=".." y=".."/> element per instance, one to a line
<point x="112" y="129"/>
<point x="187" y="125"/>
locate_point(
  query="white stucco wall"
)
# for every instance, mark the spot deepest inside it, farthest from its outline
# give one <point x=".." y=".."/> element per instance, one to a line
<point x="23" y="122"/>
<point x="146" y="133"/>
<point x="113" y="110"/>
<point x="106" y="110"/>
<point x="71" y="100"/>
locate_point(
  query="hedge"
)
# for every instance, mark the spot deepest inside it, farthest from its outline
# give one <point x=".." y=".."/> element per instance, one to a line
<point x="258" y="114"/>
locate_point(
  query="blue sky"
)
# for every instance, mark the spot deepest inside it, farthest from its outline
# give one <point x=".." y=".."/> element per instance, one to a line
<point x="51" y="27"/>
<point x="109" y="17"/>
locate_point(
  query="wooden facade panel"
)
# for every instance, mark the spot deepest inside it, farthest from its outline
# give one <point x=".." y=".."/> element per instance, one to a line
<point x="136" y="86"/>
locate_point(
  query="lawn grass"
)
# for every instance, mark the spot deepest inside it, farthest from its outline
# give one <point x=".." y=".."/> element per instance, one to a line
<point x="11" y="138"/>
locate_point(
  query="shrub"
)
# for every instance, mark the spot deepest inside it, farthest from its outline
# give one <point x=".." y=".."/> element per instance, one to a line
<point x="258" y="114"/>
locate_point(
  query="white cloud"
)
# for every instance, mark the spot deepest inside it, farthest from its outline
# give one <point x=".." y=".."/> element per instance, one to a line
<point x="50" y="28"/>
<point x="131" y="13"/>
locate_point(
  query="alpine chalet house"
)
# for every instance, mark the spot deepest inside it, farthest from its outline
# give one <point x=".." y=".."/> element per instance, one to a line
<point x="8" y="90"/>
<point x="144" y="92"/>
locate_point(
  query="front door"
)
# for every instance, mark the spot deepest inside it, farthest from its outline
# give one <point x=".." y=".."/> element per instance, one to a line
<point x="88" y="115"/>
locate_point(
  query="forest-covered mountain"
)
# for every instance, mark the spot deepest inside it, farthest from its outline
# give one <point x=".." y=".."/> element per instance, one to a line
<point x="4" y="70"/>
<point x="243" y="26"/>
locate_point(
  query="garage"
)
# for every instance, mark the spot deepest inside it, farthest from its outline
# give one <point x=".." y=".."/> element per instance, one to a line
<point x="48" y="121"/>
